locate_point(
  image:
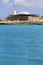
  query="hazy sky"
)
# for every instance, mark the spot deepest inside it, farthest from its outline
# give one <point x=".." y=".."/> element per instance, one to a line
<point x="31" y="6"/>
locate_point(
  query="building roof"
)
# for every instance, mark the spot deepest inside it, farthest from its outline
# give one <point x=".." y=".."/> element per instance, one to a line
<point x="23" y="12"/>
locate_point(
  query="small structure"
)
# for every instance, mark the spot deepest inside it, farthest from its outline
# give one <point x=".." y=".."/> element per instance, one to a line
<point x="23" y="12"/>
<point x="14" y="13"/>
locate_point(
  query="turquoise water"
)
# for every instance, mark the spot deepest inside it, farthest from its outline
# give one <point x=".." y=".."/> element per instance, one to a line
<point x="21" y="44"/>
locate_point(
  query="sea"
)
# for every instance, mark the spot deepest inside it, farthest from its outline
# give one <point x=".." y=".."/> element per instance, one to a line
<point x="21" y="44"/>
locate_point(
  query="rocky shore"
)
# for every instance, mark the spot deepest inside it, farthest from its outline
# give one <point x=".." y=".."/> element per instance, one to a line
<point x="31" y="20"/>
<point x="21" y="22"/>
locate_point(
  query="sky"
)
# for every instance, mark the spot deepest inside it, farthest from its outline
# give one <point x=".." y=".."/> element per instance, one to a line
<point x="32" y="6"/>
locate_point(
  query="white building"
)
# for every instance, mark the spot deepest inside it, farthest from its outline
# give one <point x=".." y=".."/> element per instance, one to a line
<point x="23" y="12"/>
<point x="14" y="12"/>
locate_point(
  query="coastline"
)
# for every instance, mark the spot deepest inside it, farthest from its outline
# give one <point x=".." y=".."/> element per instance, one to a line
<point x="29" y="22"/>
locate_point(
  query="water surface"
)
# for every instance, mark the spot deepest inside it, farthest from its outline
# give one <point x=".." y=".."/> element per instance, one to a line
<point x="21" y="44"/>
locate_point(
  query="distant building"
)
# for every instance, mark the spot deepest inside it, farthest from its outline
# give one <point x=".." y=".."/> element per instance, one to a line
<point x="22" y="16"/>
<point x="23" y="12"/>
<point x="14" y="13"/>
